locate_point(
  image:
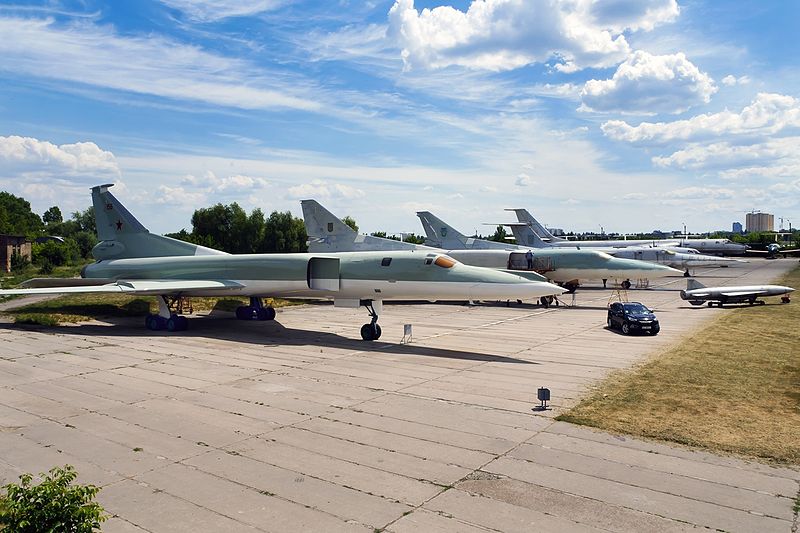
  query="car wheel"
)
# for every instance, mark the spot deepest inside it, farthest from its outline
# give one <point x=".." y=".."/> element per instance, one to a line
<point x="626" y="329"/>
<point x="610" y="323"/>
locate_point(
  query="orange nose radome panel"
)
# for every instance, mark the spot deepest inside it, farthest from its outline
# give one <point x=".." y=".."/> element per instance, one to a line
<point x="444" y="262"/>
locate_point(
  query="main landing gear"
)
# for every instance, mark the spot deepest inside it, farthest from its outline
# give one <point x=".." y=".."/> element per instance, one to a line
<point x="165" y="318"/>
<point x="255" y="311"/>
<point x="372" y="331"/>
<point x="686" y="274"/>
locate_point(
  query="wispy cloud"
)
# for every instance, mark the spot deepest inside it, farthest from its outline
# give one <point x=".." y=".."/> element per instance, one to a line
<point x="87" y="54"/>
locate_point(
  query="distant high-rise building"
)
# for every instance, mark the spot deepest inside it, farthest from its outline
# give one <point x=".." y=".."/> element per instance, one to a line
<point x="760" y="222"/>
<point x="737" y="227"/>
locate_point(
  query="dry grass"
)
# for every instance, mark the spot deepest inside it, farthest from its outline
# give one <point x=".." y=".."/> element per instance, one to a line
<point x="734" y="386"/>
<point x="82" y="307"/>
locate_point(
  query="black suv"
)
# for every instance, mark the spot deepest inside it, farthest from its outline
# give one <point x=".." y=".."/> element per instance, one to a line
<point x="632" y="317"/>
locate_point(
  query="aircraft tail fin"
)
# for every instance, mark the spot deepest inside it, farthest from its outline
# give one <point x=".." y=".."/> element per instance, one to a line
<point x="524" y="216"/>
<point x="121" y="236"/>
<point x="326" y="232"/>
<point x="692" y="284"/>
<point x="525" y="235"/>
<point x="440" y="234"/>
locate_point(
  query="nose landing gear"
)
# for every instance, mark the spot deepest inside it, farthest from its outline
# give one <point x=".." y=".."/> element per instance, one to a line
<point x="372" y="331"/>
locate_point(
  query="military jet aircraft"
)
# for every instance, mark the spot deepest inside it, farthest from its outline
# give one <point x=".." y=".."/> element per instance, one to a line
<point x="674" y="257"/>
<point x="697" y="293"/>
<point x="708" y="246"/>
<point x="131" y="260"/>
<point x="773" y="250"/>
<point x="566" y="267"/>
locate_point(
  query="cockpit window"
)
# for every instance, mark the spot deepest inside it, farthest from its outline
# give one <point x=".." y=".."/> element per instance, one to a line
<point x="444" y="262"/>
<point x="386" y="261"/>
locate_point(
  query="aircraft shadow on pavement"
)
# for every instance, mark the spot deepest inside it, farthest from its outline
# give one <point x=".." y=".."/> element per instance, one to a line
<point x="266" y="334"/>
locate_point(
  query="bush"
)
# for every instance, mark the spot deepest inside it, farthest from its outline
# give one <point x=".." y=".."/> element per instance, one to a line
<point x="52" y="505"/>
<point x="19" y="262"/>
<point x="46" y="267"/>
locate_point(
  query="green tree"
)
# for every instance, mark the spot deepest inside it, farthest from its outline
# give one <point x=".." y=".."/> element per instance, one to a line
<point x="53" y="216"/>
<point x="54" y="252"/>
<point x="225" y="226"/>
<point x="350" y="221"/>
<point x="284" y="232"/>
<point x="16" y="217"/>
<point x="84" y="241"/>
<point x="499" y="235"/>
<point x="85" y="220"/>
<point x="53" y="505"/>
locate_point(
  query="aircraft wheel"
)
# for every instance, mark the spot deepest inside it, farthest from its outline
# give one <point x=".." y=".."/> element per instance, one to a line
<point x="711" y="304"/>
<point x="686" y="274"/>
<point x="626" y="329"/>
<point x="377" y="332"/>
<point x="174" y="323"/>
<point x="152" y="322"/>
<point x="626" y="284"/>
<point x="244" y="312"/>
<point x="367" y="332"/>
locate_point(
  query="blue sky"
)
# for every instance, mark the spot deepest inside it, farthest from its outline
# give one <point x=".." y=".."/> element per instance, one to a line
<point x="626" y="114"/>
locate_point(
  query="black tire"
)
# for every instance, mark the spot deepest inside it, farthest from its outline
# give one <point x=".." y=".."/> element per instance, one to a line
<point x="655" y="331"/>
<point x="610" y="323"/>
<point x="173" y="323"/>
<point x="151" y="322"/>
<point x="367" y="333"/>
<point x="626" y="284"/>
<point x="377" y="332"/>
<point x="626" y="329"/>
<point x="686" y="274"/>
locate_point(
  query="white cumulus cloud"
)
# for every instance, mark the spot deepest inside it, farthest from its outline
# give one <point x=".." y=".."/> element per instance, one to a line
<point x="498" y="35"/>
<point x="650" y="84"/>
<point x="26" y="155"/>
<point x="768" y="114"/>
<point x="523" y="180"/>
<point x="323" y="189"/>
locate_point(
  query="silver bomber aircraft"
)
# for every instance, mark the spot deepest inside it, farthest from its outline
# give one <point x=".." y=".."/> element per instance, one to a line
<point x="567" y="267"/>
<point x="708" y="246"/>
<point x="698" y="294"/>
<point x="674" y="257"/>
<point x="131" y="260"/>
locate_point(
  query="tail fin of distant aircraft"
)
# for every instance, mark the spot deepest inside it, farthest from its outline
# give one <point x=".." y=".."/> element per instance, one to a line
<point x="327" y="233"/>
<point x="526" y="236"/>
<point x="440" y="234"/>
<point x="122" y="236"/>
<point x="692" y="284"/>
<point x="524" y="216"/>
<point x="321" y="223"/>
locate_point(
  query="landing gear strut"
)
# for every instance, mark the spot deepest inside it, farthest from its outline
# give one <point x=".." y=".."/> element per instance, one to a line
<point x="686" y="274"/>
<point x="165" y="319"/>
<point x="371" y="331"/>
<point x="255" y="311"/>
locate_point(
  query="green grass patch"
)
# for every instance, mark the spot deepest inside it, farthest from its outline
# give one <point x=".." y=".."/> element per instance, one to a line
<point x="75" y="308"/>
<point x="733" y="386"/>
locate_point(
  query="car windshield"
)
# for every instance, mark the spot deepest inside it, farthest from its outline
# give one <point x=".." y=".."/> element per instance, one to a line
<point x="636" y="308"/>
